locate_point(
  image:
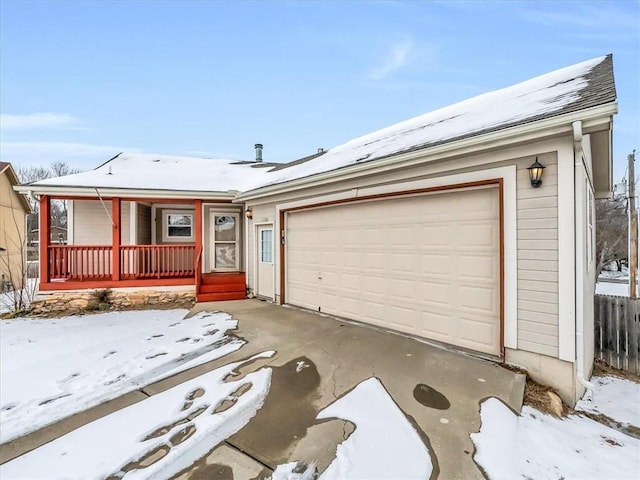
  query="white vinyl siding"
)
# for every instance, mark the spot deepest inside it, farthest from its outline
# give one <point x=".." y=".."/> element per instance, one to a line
<point x="537" y="211"/>
<point x="92" y="224"/>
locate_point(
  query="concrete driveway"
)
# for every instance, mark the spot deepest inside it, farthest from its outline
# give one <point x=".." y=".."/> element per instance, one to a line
<point x="438" y="390"/>
<point x="318" y="360"/>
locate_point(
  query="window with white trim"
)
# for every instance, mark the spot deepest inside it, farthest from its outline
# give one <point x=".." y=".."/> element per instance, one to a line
<point x="266" y="246"/>
<point x="226" y="238"/>
<point x="177" y="227"/>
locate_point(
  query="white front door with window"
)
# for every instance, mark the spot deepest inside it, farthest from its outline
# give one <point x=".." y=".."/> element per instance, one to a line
<point x="264" y="235"/>
<point x="225" y="245"/>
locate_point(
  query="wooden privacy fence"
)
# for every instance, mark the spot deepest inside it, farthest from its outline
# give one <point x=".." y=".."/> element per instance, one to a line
<point x="617" y="332"/>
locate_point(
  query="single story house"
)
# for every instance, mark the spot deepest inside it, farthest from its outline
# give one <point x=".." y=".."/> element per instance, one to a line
<point x="13" y="212"/>
<point x="472" y="225"/>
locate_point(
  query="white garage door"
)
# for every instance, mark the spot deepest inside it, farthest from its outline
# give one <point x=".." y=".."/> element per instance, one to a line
<point x="427" y="265"/>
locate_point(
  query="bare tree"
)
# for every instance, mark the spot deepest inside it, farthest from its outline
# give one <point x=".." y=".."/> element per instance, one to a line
<point x="612" y="232"/>
<point x="58" y="207"/>
<point x="22" y="291"/>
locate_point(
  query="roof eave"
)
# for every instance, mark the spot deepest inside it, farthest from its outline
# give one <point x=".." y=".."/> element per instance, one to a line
<point x="71" y="191"/>
<point x="15" y="181"/>
<point x="555" y="125"/>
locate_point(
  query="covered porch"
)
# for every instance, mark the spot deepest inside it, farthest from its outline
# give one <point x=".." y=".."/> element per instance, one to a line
<point x="145" y="242"/>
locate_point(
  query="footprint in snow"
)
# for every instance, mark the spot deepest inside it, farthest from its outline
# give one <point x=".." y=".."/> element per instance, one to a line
<point x="155" y="355"/>
<point x="53" y="399"/>
<point x="10" y="406"/>
<point x="115" y="380"/>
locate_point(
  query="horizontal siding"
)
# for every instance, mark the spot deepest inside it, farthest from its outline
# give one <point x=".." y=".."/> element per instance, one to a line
<point x="92" y="223"/>
<point x="537" y="237"/>
<point x="541" y="348"/>
<point x="143" y="224"/>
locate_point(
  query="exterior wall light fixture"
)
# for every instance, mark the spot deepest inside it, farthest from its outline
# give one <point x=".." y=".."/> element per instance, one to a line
<point x="535" y="173"/>
<point x="248" y="213"/>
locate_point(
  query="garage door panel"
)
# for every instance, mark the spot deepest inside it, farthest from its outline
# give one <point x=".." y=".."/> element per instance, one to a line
<point x="478" y="299"/>
<point x="425" y="265"/>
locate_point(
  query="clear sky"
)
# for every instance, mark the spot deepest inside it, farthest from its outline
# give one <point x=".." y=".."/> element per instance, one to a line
<point x="82" y="81"/>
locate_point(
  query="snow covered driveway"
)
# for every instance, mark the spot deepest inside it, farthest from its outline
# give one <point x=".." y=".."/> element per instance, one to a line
<point x="53" y="368"/>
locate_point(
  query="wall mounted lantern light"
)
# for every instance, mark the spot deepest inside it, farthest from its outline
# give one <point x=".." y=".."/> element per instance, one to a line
<point x="535" y="173"/>
<point x="248" y="213"/>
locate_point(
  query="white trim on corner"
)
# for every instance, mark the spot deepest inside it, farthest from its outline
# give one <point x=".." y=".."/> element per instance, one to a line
<point x="566" y="253"/>
<point x="256" y="260"/>
<point x="70" y="220"/>
<point x="508" y="175"/>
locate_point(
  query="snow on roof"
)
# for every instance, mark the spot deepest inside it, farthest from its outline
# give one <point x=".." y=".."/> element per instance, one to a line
<point x="573" y="88"/>
<point x="541" y="97"/>
<point x="164" y="172"/>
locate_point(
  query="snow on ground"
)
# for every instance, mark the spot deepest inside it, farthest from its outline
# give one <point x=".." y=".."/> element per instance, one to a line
<point x="610" y="288"/>
<point x="7" y="299"/>
<point x="155" y="438"/>
<point x="614" y="397"/>
<point x="53" y="368"/>
<point x="623" y="275"/>
<point x="383" y="445"/>
<point x="537" y="445"/>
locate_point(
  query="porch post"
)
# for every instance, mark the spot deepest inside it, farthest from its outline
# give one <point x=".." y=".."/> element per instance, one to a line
<point x="44" y="219"/>
<point x="198" y="221"/>
<point x="115" y="241"/>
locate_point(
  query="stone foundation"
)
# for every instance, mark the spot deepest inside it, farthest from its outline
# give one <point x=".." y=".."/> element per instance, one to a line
<point x="83" y="301"/>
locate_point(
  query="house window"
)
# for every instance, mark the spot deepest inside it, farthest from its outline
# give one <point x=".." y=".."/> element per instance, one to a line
<point x="178" y="227"/>
<point x="266" y="246"/>
<point x="226" y="246"/>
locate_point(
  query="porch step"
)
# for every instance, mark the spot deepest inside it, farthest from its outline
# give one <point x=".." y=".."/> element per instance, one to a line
<point x="223" y="287"/>
<point x="223" y="278"/>
<point x="217" y="297"/>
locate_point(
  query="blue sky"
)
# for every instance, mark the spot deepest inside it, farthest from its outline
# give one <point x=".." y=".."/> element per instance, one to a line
<point x="82" y="81"/>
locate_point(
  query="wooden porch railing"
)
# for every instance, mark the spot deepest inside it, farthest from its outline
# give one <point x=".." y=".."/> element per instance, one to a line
<point x="80" y="262"/>
<point x="95" y="262"/>
<point x="157" y="261"/>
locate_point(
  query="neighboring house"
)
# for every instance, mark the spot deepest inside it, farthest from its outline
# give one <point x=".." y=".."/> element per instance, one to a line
<point x="57" y="235"/>
<point x="431" y="227"/>
<point x="13" y="211"/>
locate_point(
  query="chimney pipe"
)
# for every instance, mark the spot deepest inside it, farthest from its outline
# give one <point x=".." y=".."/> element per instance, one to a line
<point x="320" y="150"/>
<point x="258" y="152"/>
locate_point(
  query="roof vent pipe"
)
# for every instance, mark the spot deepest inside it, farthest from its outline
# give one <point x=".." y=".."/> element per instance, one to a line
<point x="320" y="150"/>
<point x="258" y="152"/>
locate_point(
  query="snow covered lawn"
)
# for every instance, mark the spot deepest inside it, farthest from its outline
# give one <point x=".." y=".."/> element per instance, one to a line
<point x="156" y="438"/>
<point x="540" y="446"/>
<point x="53" y="368"/>
<point x="610" y="288"/>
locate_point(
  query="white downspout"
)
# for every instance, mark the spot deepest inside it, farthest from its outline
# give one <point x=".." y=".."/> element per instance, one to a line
<point x="577" y="150"/>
